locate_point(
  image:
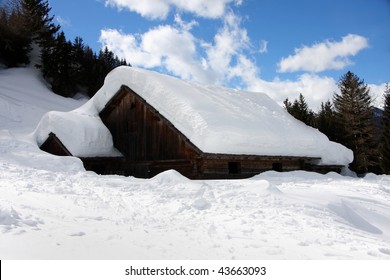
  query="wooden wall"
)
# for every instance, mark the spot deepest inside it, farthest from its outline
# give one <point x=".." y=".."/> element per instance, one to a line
<point x="54" y="146"/>
<point x="214" y="166"/>
<point x="140" y="133"/>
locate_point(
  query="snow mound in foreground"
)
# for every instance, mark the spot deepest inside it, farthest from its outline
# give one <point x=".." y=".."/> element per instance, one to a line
<point x="216" y="120"/>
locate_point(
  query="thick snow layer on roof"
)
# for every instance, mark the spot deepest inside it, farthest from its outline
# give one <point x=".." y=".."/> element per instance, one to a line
<point x="83" y="134"/>
<point x="215" y="119"/>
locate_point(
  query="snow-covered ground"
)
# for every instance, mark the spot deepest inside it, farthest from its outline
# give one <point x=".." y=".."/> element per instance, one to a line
<point x="51" y="208"/>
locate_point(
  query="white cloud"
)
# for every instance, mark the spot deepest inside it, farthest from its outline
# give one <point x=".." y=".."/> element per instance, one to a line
<point x="263" y="46"/>
<point x="324" y="56"/>
<point x="147" y="8"/>
<point x="164" y="41"/>
<point x="314" y="88"/>
<point x="63" y="21"/>
<point x="185" y="25"/>
<point x="377" y="94"/>
<point x="229" y="45"/>
<point x="127" y="46"/>
<point x="158" y="47"/>
<point x="153" y="9"/>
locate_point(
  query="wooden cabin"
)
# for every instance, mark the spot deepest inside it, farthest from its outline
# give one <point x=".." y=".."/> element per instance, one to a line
<point x="150" y="144"/>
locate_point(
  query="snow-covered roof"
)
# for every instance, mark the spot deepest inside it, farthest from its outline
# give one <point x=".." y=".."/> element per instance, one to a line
<point x="215" y="119"/>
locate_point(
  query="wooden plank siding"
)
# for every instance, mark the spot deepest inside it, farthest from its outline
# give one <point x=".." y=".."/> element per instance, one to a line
<point x="141" y="133"/>
<point x="217" y="166"/>
<point x="54" y="146"/>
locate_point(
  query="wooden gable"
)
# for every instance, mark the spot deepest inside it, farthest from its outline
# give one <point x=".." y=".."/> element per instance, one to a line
<point x="141" y="133"/>
<point x="54" y="146"/>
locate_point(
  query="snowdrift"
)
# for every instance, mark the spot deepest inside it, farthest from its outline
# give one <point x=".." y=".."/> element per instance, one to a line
<point x="216" y="120"/>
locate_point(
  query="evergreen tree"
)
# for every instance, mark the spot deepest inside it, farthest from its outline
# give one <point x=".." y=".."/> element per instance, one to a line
<point x="14" y="42"/>
<point x="354" y="116"/>
<point x="24" y="24"/>
<point x="99" y="66"/>
<point x="90" y="65"/>
<point x="58" y="70"/>
<point x="42" y="32"/>
<point x="287" y="105"/>
<point x="300" y="110"/>
<point x="77" y="57"/>
<point x="325" y="121"/>
<point x="385" y="147"/>
<point x="37" y="21"/>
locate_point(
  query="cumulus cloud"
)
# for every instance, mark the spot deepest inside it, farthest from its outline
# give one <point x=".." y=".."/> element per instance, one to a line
<point x="377" y="94"/>
<point x="153" y="9"/>
<point x="328" y="55"/>
<point x="127" y="46"/>
<point x="316" y="89"/>
<point x="228" y="46"/>
<point x="157" y="48"/>
<point x="223" y="58"/>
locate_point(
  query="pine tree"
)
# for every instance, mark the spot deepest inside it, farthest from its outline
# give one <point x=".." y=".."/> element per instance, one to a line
<point x="77" y="57"/>
<point x="325" y="121"/>
<point x="300" y="110"/>
<point x="385" y="147"/>
<point x="42" y="32"/>
<point x="90" y="65"/>
<point x="98" y="67"/>
<point x="37" y="20"/>
<point x="23" y="24"/>
<point x="354" y="116"/>
<point x="59" y="69"/>
<point x="14" y="42"/>
<point x="287" y="105"/>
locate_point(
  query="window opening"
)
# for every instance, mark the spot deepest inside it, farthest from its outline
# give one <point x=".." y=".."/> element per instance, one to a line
<point x="277" y="166"/>
<point x="234" y="168"/>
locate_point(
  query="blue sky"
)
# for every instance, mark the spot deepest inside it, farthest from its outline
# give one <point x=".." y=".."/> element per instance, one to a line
<point x="280" y="47"/>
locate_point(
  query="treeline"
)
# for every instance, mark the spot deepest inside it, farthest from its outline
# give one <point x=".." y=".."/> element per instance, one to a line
<point x="26" y="27"/>
<point x="352" y="120"/>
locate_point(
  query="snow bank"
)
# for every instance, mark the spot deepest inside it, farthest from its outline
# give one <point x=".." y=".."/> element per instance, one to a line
<point x="298" y="215"/>
<point x="24" y="98"/>
<point x="216" y="120"/>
